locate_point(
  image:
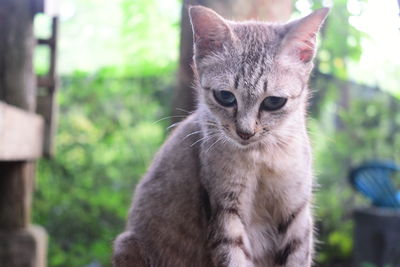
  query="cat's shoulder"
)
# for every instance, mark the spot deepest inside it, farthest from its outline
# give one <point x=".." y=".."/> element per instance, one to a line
<point x="181" y="142"/>
<point x="177" y="157"/>
<point x="187" y="131"/>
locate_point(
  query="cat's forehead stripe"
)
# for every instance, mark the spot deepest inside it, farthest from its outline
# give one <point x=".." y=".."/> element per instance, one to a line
<point x="261" y="70"/>
<point x="265" y="86"/>
<point x="254" y="57"/>
<point x="236" y="81"/>
<point x="250" y="74"/>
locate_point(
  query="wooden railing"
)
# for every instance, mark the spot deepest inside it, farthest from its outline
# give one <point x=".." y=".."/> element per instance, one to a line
<point x="21" y="134"/>
<point x="21" y="143"/>
<point x="25" y="136"/>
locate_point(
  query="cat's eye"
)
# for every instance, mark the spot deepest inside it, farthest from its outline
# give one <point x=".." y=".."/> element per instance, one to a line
<point x="224" y="98"/>
<point x="273" y="103"/>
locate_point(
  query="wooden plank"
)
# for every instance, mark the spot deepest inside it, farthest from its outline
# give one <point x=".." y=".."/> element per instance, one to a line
<point x="42" y="41"/>
<point x="21" y="134"/>
<point x="23" y="247"/>
<point x="53" y="49"/>
<point x="16" y="187"/>
<point x="376" y="237"/>
<point x="45" y="81"/>
<point x="47" y="107"/>
<point x="46" y="100"/>
<point x="37" y="6"/>
<point x="17" y="80"/>
<point x="48" y="7"/>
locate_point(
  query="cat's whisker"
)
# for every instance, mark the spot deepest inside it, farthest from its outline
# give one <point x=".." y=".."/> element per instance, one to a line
<point x="169" y="117"/>
<point x="212" y="126"/>
<point x="173" y="125"/>
<point x="226" y="140"/>
<point x="219" y="139"/>
<point x="190" y="134"/>
<point x="204" y="138"/>
<point x="210" y="123"/>
<point x="184" y="110"/>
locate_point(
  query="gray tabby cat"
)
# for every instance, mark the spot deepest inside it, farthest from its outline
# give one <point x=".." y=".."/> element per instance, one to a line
<point x="232" y="185"/>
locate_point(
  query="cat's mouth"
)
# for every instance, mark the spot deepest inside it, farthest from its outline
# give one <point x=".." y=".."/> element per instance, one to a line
<point x="243" y="143"/>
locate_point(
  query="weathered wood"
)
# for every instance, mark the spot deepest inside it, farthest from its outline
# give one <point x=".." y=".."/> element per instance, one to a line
<point x="46" y="101"/>
<point x="18" y="88"/>
<point x="45" y="81"/>
<point x="47" y="107"/>
<point x="377" y="237"/>
<point x="17" y="80"/>
<point x="16" y="187"/>
<point x="53" y="49"/>
<point x="23" y="248"/>
<point x="21" y="134"/>
<point x="49" y="7"/>
<point x="269" y="10"/>
<point x="37" y="6"/>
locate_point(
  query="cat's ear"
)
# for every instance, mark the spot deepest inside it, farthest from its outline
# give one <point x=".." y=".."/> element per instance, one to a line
<point x="210" y="31"/>
<point x="300" y="40"/>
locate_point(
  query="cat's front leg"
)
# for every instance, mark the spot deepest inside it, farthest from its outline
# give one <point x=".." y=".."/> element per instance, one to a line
<point x="228" y="240"/>
<point x="128" y="252"/>
<point x="229" y="190"/>
<point x="298" y="249"/>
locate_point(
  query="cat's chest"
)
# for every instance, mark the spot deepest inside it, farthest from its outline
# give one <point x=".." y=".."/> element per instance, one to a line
<point x="275" y="191"/>
<point x="269" y="187"/>
<point x="265" y="191"/>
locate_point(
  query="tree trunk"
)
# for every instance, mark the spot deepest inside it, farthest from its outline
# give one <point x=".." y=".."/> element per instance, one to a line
<point x="269" y="10"/>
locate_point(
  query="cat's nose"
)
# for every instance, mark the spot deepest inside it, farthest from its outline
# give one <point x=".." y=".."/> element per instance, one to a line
<point x="244" y="135"/>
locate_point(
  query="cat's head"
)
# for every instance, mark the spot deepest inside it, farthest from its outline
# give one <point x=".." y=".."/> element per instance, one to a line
<point x="252" y="76"/>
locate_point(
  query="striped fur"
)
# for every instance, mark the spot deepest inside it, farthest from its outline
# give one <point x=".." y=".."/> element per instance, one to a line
<point x="211" y="198"/>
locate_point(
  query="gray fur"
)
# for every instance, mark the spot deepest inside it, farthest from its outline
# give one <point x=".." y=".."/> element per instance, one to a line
<point x="211" y="198"/>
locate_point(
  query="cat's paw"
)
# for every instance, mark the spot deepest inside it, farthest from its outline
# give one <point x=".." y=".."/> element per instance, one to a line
<point x="240" y="258"/>
<point x="128" y="252"/>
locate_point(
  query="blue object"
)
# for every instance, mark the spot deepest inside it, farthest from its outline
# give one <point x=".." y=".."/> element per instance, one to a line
<point x="373" y="180"/>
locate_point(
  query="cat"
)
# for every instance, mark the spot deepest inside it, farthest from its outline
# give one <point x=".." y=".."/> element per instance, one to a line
<point x="232" y="185"/>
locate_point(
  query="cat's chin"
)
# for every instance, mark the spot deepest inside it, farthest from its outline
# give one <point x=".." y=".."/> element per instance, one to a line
<point x="239" y="143"/>
<point x="244" y="144"/>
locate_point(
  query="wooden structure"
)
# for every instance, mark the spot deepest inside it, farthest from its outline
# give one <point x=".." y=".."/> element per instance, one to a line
<point x="377" y="237"/>
<point x="46" y="104"/>
<point x="268" y="10"/>
<point x="24" y="134"/>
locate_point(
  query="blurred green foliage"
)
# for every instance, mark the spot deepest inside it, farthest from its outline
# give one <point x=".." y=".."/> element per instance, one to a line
<point x="365" y="130"/>
<point x="150" y="36"/>
<point x="106" y="138"/>
<point x="350" y="123"/>
<point x="109" y="127"/>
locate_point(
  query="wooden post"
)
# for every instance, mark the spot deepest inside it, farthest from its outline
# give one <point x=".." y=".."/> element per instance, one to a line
<point x="20" y="244"/>
<point x="46" y="102"/>
<point x="17" y="81"/>
<point x="268" y="10"/>
<point x="376" y="237"/>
